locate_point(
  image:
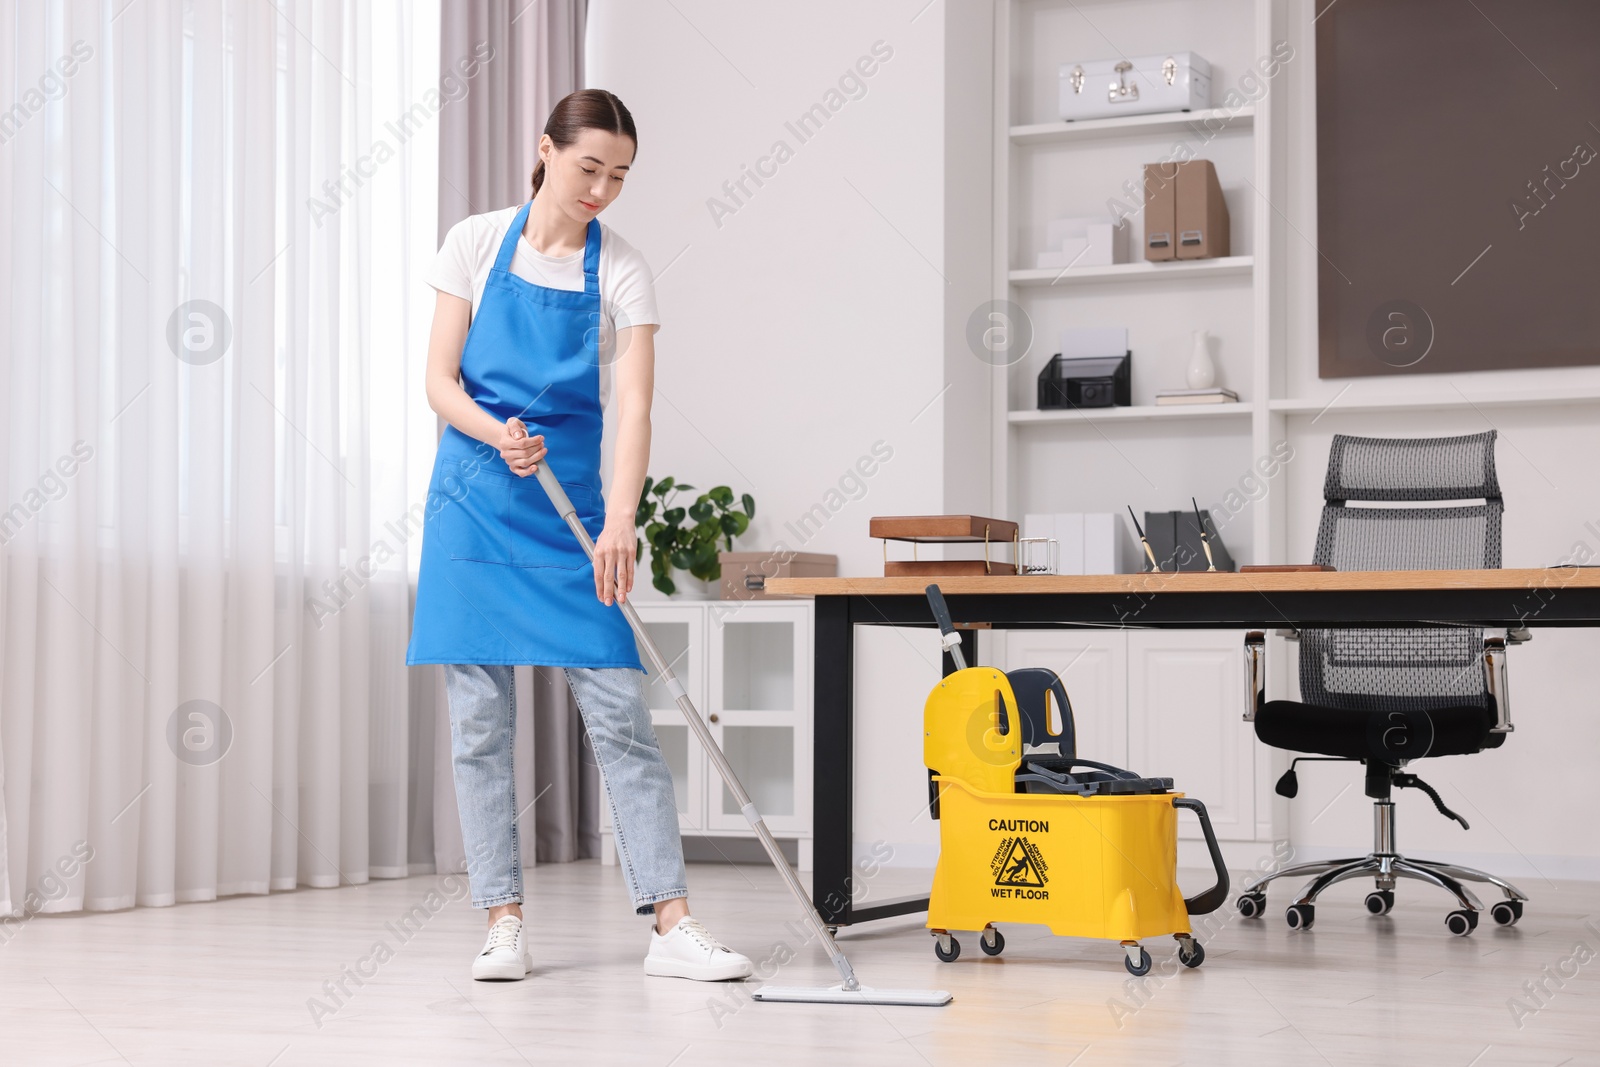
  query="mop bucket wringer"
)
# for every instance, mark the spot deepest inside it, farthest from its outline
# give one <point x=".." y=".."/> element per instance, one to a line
<point x="1031" y="835"/>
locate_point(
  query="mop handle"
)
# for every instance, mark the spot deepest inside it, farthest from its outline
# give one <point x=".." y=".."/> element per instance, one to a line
<point x="563" y="505"/>
<point x="947" y="629"/>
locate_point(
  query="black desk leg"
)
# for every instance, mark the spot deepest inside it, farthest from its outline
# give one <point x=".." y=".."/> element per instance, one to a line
<point x="832" y="801"/>
<point x="833" y="669"/>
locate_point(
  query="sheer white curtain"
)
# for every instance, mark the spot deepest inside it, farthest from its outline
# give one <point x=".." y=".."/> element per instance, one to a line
<point x="213" y="220"/>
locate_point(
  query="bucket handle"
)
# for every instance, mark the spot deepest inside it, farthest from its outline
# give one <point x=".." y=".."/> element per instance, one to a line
<point x="1212" y="898"/>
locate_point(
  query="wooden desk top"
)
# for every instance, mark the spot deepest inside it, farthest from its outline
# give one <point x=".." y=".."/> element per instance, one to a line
<point x="1145" y="584"/>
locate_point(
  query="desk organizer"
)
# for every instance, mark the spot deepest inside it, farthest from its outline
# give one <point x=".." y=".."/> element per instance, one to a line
<point x="946" y="529"/>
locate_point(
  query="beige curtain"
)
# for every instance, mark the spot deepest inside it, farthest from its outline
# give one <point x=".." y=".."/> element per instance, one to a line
<point x="487" y="149"/>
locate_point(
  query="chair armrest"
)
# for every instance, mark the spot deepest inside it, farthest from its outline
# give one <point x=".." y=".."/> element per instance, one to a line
<point x="1495" y="679"/>
<point x="1255" y="672"/>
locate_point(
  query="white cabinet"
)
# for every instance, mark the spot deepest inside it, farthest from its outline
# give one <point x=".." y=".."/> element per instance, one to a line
<point x="747" y="667"/>
<point x="1164" y="703"/>
<point x="1186" y="722"/>
<point x="1093" y="666"/>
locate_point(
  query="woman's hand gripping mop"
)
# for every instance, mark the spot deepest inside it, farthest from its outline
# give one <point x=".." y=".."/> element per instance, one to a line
<point x="849" y="990"/>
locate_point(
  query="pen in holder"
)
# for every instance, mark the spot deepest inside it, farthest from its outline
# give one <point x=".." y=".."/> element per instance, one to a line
<point x="1205" y="538"/>
<point x="1154" y="566"/>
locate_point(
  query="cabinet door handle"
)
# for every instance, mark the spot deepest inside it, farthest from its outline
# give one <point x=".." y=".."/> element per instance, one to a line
<point x="714" y="717"/>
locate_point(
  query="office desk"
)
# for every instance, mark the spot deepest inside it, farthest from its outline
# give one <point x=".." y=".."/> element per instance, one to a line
<point x="1556" y="596"/>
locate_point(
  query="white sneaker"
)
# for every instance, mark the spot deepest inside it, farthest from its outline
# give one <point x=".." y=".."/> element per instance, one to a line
<point x="689" y="951"/>
<point x="505" y="956"/>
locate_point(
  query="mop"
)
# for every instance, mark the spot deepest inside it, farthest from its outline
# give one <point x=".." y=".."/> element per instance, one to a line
<point x="849" y="990"/>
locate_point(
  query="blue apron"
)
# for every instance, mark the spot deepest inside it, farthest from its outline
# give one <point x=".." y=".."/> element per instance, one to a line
<point x="503" y="579"/>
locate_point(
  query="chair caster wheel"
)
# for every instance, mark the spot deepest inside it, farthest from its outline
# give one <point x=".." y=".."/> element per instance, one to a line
<point x="1137" y="960"/>
<point x="1252" y="905"/>
<point x="995" y="947"/>
<point x="833" y="931"/>
<point x="1300" y="916"/>
<point x="1380" y="901"/>
<point x="946" y="955"/>
<point x="1506" y="912"/>
<point x="1461" y="923"/>
<point x="1191" y="955"/>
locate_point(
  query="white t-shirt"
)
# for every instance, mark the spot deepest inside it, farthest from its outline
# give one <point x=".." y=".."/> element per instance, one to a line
<point x="627" y="287"/>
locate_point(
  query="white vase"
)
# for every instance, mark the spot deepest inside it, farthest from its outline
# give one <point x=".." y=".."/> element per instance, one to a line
<point x="1201" y="372"/>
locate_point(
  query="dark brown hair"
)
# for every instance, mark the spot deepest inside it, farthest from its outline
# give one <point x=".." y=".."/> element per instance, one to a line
<point x="586" y="109"/>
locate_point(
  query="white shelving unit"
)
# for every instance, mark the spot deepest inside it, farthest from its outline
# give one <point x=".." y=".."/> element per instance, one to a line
<point x="746" y="665"/>
<point x="1141" y="411"/>
<point x="1132" y="272"/>
<point x="1047" y="168"/>
<point x="1147" y="695"/>
<point x="1200" y="122"/>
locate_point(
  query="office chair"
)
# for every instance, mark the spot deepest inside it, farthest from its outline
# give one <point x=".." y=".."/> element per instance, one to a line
<point x="1388" y="696"/>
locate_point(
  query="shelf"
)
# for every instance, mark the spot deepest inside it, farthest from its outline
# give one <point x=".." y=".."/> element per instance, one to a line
<point x="1166" y="122"/>
<point x="1142" y="271"/>
<point x="1341" y="404"/>
<point x="1239" y="409"/>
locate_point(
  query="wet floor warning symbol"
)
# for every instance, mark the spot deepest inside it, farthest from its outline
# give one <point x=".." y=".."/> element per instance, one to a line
<point x="1018" y="863"/>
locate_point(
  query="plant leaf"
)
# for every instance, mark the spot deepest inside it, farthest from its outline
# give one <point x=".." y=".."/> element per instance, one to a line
<point x="663" y="485"/>
<point x="722" y="495"/>
<point x="749" y="505"/>
<point x="673" y="516"/>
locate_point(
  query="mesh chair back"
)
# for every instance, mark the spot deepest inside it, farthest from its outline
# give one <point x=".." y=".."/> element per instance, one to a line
<point x="1413" y="668"/>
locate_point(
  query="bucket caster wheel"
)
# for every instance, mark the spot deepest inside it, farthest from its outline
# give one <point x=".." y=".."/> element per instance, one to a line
<point x="1191" y="953"/>
<point x="1137" y="960"/>
<point x="1252" y="905"/>
<point x="1300" y="916"/>
<point x="992" y="941"/>
<point x="946" y="947"/>
<point x="1380" y="901"/>
<point x="1506" y="912"/>
<point x="1461" y="923"/>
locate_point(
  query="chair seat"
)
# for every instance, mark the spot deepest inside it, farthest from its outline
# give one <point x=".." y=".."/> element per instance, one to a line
<point x="1383" y="735"/>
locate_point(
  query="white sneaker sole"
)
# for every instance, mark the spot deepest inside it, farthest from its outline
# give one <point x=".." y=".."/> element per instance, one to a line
<point x="658" y="967"/>
<point x="501" y="970"/>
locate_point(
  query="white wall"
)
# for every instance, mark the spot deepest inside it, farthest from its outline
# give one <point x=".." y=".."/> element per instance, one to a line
<point x="809" y="324"/>
<point x="825" y="315"/>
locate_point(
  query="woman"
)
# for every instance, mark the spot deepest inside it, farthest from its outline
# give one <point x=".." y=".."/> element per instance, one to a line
<point x="515" y="366"/>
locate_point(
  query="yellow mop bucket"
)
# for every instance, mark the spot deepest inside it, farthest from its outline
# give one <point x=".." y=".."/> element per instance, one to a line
<point x="1095" y="855"/>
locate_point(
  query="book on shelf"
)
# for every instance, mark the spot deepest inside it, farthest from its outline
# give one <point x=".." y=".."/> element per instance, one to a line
<point x="1197" y="396"/>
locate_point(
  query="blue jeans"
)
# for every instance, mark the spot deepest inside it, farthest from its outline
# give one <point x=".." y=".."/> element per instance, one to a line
<point x="644" y="811"/>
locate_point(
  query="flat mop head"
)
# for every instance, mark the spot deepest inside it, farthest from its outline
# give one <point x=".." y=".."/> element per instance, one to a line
<point x="838" y="994"/>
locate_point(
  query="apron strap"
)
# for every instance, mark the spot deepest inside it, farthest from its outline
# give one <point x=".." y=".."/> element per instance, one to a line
<point x="508" y="244"/>
<point x="591" y="258"/>
<point x="591" y="249"/>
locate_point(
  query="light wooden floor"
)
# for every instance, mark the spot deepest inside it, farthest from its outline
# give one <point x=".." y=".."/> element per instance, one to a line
<point x="230" y="983"/>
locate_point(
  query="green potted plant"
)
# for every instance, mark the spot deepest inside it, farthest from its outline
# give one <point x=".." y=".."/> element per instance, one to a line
<point x="713" y="523"/>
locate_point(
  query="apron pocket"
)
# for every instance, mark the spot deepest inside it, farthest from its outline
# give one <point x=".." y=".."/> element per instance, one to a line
<point x="473" y="526"/>
<point x="536" y="535"/>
